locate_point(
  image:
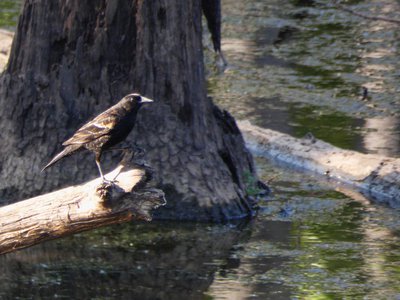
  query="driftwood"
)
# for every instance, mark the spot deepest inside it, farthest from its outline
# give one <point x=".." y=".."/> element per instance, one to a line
<point x="374" y="175"/>
<point x="78" y="208"/>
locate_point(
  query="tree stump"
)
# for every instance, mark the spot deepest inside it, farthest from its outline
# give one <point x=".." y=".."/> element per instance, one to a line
<point x="71" y="60"/>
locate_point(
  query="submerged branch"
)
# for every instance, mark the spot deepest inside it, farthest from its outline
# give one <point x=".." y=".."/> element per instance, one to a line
<point x="377" y="176"/>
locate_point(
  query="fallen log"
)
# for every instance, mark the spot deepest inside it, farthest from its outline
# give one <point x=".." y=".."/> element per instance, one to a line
<point x="78" y="208"/>
<point x="376" y="176"/>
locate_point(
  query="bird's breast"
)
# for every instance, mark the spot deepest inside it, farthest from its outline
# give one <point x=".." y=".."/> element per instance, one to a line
<point x="121" y="130"/>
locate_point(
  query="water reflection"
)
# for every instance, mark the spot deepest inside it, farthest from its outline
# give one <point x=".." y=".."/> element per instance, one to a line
<point x="309" y="240"/>
<point x="307" y="54"/>
<point x="142" y="261"/>
<point x="295" y="66"/>
<point x="9" y="12"/>
<point x="332" y="247"/>
<point x="298" y="119"/>
<point x="240" y="282"/>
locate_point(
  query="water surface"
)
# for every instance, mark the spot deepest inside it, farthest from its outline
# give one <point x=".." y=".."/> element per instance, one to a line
<point x="302" y="66"/>
<point x="311" y="240"/>
<point x="9" y="12"/>
<point x="294" y="66"/>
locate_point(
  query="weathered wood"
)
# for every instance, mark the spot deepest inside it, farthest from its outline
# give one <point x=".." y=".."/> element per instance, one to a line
<point x="78" y="208"/>
<point x="377" y="176"/>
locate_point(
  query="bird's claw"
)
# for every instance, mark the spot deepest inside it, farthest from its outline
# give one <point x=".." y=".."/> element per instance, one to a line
<point x="109" y="182"/>
<point x="138" y="151"/>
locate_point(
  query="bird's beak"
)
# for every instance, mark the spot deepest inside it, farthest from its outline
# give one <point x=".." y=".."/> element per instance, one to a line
<point x="144" y="99"/>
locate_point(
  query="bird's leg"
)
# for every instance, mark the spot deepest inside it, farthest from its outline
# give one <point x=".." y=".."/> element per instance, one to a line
<point x="98" y="155"/>
<point x="99" y="167"/>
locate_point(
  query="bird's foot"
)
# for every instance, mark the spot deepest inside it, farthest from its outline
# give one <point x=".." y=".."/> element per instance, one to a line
<point x="109" y="193"/>
<point x="109" y="182"/>
<point x="138" y="151"/>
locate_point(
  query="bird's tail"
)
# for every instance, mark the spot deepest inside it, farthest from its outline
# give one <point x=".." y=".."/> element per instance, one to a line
<point x="66" y="152"/>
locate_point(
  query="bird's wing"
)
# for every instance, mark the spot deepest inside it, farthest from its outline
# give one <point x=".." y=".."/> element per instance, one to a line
<point x="99" y="126"/>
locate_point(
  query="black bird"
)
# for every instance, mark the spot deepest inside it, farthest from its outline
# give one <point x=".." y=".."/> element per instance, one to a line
<point x="106" y="130"/>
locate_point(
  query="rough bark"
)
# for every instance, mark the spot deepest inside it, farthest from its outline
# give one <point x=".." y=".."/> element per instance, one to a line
<point x="72" y="59"/>
<point x="78" y="208"/>
<point x="374" y="175"/>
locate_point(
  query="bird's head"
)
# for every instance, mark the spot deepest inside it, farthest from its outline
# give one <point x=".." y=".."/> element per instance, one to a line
<point x="137" y="98"/>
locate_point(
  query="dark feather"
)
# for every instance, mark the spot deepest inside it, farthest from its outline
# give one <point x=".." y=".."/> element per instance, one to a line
<point x="66" y="152"/>
<point x="104" y="131"/>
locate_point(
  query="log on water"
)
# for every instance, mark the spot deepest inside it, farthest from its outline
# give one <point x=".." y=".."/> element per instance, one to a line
<point x="78" y="208"/>
<point x="375" y="175"/>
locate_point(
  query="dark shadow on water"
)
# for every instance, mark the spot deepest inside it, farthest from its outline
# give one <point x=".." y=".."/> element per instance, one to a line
<point x="131" y="261"/>
<point x="239" y="279"/>
<point x="160" y="260"/>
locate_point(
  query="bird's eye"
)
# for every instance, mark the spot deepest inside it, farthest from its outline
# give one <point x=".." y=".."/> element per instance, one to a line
<point x="133" y="98"/>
